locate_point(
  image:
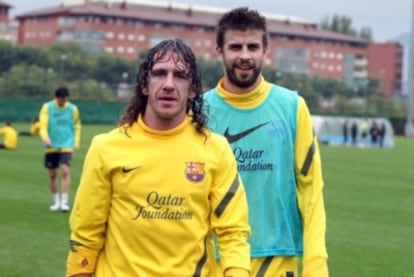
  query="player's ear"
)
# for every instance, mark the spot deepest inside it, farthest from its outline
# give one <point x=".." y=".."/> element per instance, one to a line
<point x="145" y="91"/>
<point x="192" y="94"/>
<point x="219" y="52"/>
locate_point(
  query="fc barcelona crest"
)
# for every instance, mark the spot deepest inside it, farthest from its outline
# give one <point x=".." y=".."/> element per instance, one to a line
<point x="194" y="171"/>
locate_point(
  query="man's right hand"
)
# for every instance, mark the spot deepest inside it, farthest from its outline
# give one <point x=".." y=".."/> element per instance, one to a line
<point x="47" y="143"/>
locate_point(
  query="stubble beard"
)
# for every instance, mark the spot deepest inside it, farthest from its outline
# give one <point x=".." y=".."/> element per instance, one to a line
<point x="242" y="83"/>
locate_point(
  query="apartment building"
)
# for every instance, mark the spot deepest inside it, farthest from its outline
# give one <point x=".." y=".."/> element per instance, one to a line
<point x="6" y="27"/>
<point x="385" y="64"/>
<point x="124" y="29"/>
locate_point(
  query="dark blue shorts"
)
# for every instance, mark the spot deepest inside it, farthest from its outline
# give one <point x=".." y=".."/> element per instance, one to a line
<point x="53" y="160"/>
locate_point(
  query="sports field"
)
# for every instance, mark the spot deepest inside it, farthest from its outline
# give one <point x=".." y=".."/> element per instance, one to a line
<point x="369" y="195"/>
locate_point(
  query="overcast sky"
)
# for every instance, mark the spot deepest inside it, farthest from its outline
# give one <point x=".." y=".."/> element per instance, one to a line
<point x="387" y="19"/>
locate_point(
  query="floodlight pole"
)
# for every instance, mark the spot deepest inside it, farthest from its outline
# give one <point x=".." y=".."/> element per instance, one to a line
<point x="63" y="59"/>
<point x="409" y="126"/>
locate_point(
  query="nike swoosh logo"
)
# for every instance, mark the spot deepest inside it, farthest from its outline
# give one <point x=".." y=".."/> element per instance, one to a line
<point x="235" y="137"/>
<point x="129" y="169"/>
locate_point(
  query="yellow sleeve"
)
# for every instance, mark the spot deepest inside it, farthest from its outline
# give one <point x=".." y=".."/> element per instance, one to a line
<point x="2" y="130"/>
<point x="43" y="122"/>
<point x="230" y="214"/>
<point x="310" y="195"/>
<point x="34" y="128"/>
<point x="89" y="216"/>
<point x="78" y="126"/>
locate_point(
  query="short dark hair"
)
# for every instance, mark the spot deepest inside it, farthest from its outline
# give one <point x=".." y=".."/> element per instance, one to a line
<point x="241" y="19"/>
<point x="61" y="92"/>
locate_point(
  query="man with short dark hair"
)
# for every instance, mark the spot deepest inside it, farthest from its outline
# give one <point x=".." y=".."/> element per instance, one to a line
<point x="270" y="130"/>
<point x="60" y="128"/>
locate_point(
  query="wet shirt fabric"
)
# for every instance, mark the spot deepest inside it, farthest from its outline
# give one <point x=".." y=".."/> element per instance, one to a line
<point x="145" y="202"/>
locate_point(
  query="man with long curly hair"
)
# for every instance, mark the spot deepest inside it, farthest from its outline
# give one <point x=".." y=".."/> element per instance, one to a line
<point x="154" y="189"/>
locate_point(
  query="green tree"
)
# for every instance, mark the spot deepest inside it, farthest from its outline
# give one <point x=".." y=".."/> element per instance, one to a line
<point x="343" y="24"/>
<point x="210" y="71"/>
<point x="7" y="53"/>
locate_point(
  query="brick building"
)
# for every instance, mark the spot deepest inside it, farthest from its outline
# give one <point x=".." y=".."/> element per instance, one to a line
<point x="385" y="64"/>
<point x="7" y="29"/>
<point x="296" y="45"/>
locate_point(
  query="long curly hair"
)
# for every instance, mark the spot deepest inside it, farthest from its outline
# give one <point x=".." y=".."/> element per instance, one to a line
<point x="139" y="100"/>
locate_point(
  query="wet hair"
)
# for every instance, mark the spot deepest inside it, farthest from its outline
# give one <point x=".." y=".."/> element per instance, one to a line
<point x="139" y="100"/>
<point x="62" y="92"/>
<point x="241" y="19"/>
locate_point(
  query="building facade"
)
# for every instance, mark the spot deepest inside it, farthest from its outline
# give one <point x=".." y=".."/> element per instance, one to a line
<point x="7" y="27"/>
<point x="385" y="65"/>
<point x="125" y="29"/>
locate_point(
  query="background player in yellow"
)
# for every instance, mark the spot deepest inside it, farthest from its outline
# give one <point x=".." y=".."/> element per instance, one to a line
<point x="10" y="139"/>
<point x="153" y="190"/>
<point x="270" y="130"/>
<point x="60" y="128"/>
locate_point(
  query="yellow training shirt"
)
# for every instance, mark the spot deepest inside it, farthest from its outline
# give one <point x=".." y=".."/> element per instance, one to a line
<point x="10" y="137"/>
<point x="148" y="202"/>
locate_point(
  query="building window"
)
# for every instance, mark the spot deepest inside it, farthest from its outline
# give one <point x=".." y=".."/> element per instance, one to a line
<point x="155" y="39"/>
<point x="197" y="43"/>
<point x="141" y="38"/>
<point x="88" y="34"/>
<point x="176" y="26"/>
<point x="109" y="35"/>
<point x="66" y="36"/>
<point x="121" y="36"/>
<point x="119" y="21"/>
<point x="65" y="21"/>
<point x="158" y="25"/>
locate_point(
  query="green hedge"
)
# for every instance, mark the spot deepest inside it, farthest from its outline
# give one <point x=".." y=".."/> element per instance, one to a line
<point x="24" y="109"/>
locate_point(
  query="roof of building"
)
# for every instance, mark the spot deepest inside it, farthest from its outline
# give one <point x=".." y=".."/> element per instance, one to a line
<point x="191" y="15"/>
<point x="5" y="4"/>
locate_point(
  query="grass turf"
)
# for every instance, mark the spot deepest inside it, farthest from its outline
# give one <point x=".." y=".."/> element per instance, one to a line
<point x="369" y="196"/>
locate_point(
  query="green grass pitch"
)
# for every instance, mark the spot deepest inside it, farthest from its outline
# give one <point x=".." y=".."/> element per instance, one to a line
<point x="369" y="196"/>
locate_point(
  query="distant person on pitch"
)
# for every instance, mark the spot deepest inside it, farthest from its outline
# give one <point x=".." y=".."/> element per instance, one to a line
<point x="10" y="137"/>
<point x="60" y="128"/>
